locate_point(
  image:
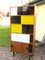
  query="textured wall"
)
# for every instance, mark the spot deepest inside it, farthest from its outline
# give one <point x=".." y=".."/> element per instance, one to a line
<point x="40" y="22"/>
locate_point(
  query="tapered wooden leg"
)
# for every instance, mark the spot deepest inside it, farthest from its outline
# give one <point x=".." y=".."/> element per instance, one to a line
<point x="13" y="54"/>
<point x="30" y="57"/>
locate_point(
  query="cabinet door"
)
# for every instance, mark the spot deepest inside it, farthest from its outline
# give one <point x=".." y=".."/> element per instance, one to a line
<point x="16" y="46"/>
<point x="27" y="48"/>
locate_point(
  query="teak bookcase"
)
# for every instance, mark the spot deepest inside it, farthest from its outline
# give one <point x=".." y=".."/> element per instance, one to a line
<point x="22" y="29"/>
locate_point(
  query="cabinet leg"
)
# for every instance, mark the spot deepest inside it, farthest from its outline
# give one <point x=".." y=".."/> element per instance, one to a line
<point x="13" y="54"/>
<point x="30" y="57"/>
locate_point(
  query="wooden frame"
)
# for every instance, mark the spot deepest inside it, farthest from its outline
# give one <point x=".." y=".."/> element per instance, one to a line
<point x="21" y="46"/>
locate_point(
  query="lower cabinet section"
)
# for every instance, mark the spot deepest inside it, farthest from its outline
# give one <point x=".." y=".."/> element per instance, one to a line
<point x="24" y="48"/>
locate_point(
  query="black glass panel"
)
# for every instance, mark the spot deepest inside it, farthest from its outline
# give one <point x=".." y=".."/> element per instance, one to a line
<point x="29" y="10"/>
<point x="27" y="29"/>
<point x="22" y="13"/>
<point x="20" y="10"/>
<point x="16" y="19"/>
<point x="30" y="48"/>
<point x="31" y="38"/>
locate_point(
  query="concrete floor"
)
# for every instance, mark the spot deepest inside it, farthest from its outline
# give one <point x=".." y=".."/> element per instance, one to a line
<point x="5" y="54"/>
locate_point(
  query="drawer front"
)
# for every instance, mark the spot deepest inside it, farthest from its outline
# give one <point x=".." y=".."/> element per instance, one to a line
<point x="27" y="48"/>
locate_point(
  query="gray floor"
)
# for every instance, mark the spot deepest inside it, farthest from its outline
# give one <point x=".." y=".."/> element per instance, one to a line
<point x="5" y="54"/>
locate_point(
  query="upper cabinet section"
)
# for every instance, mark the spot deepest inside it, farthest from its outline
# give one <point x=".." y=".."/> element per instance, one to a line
<point x="26" y="10"/>
<point x="23" y="10"/>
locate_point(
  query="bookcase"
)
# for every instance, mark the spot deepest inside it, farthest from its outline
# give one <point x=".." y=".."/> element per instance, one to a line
<point x="22" y="34"/>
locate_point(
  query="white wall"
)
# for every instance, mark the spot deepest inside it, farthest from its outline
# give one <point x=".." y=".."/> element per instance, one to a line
<point x="40" y="22"/>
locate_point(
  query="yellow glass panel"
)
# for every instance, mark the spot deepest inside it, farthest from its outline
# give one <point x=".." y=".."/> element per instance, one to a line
<point x="16" y="28"/>
<point x="27" y="19"/>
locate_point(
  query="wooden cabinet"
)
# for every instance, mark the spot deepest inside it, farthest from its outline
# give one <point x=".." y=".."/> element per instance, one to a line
<point x="22" y="29"/>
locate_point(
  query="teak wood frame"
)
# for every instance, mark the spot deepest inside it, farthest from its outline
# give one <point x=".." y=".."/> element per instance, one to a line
<point x="13" y="43"/>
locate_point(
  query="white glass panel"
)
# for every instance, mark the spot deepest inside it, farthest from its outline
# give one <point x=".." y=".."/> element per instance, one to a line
<point x="20" y="37"/>
<point x="14" y="11"/>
